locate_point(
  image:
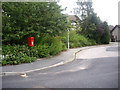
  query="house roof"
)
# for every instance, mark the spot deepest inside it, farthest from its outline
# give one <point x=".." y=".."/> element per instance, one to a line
<point x="73" y="18"/>
<point x="117" y="26"/>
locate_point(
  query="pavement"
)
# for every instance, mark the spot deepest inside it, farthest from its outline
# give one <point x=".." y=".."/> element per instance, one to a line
<point x="44" y="63"/>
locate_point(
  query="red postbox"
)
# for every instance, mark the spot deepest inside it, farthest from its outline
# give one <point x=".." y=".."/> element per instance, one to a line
<point x="31" y="41"/>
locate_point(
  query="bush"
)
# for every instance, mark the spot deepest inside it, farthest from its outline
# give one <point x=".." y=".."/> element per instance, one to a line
<point x="77" y="40"/>
<point x="43" y="51"/>
<point x="56" y="46"/>
<point x="18" y="54"/>
<point x="17" y="58"/>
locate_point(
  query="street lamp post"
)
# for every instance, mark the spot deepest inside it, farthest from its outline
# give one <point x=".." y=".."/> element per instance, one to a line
<point x="68" y="36"/>
<point x="68" y="40"/>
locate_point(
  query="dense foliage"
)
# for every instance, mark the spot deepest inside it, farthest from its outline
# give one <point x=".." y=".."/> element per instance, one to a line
<point x="45" y="22"/>
<point x="18" y="54"/>
<point x="23" y="19"/>
<point x="42" y="20"/>
<point x="105" y="38"/>
<point x="92" y="27"/>
<point x="77" y="40"/>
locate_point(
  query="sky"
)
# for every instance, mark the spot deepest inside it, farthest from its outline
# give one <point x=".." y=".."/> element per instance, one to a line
<point x="107" y="10"/>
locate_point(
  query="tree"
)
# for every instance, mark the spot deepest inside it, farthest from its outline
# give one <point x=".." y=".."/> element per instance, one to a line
<point x="92" y="26"/>
<point x="105" y="38"/>
<point x="25" y="19"/>
<point x="89" y="19"/>
<point x="84" y="9"/>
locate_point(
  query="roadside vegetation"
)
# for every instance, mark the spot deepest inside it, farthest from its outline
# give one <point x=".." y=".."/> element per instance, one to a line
<point x="49" y="26"/>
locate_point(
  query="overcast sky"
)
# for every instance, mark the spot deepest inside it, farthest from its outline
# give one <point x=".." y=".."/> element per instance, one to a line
<point x="107" y="10"/>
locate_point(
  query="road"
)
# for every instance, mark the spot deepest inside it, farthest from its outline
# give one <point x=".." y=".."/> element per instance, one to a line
<point x="93" y="68"/>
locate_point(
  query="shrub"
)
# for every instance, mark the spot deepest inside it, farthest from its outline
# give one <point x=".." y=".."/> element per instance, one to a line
<point x="56" y="46"/>
<point x="18" y="54"/>
<point x="17" y="58"/>
<point x="43" y="51"/>
<point x="77" y="40"/>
